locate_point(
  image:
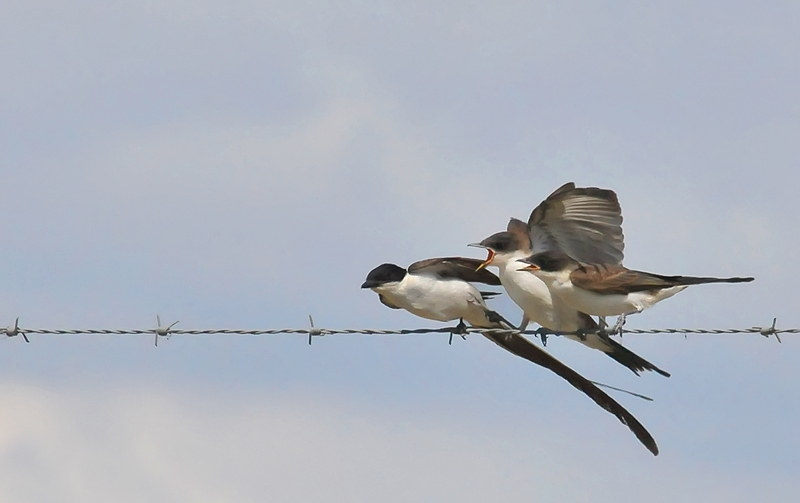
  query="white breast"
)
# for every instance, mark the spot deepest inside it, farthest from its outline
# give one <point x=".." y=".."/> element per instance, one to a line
<point x="437" y="299"/>
<point x="529" y="293"/>
<point x="607" y="304"/>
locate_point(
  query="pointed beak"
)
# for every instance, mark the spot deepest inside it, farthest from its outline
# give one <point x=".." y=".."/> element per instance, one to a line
<point x="487" y="261"/>
<point x="528" y="266"/>
<point x="369" y="284"/>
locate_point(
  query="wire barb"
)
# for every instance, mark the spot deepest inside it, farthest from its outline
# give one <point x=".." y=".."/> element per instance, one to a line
<point x="313" y="331"/>
<point x="461" y="329"/>
<point x="767" y="331"/>
<point x="162" y="331"/>
<point x="15" y="330"/>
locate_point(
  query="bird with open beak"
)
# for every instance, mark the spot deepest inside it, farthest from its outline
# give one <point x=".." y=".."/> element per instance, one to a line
<point x="440" y="289"/>
<point x="582" y="222"/>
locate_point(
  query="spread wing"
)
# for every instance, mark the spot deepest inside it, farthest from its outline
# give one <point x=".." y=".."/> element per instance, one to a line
<point x="455" y="268"/>
<point x="523" y="348"/>
<point x="585" y="223"/>
<point x="608" y="279"/>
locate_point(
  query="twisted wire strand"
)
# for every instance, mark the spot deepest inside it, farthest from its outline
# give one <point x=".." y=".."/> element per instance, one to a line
<point x="371" y="331"/>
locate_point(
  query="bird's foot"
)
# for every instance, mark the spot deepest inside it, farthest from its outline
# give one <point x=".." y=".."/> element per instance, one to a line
<point x="582" y="334"/>
<point x="494" y="317"/>
<point x="617" y="328"/>
<point x="602" y="328"/>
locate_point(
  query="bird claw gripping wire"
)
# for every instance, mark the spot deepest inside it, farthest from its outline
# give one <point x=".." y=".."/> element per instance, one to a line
<point x="313" y="331"/>
<point x="767" y="331"/>
<point x="14" y="331"/>
<point x="604" y="331"/>
<point x="162" y="331"/>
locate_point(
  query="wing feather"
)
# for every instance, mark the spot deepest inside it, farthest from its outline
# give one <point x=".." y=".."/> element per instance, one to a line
<point x="615" y="279"/>
<point x="585" y="223"/>
<point x="455" y="268"/>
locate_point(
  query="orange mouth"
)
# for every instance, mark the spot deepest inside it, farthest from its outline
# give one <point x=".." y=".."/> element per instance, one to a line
<point x="487" y="261"/>
<point x="531" y="268"/>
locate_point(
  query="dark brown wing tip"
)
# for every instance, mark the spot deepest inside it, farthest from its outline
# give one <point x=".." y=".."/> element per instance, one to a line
<point x="468" y="273"/>
<point x="605" y="194"/>
<point x="564" y="188"/>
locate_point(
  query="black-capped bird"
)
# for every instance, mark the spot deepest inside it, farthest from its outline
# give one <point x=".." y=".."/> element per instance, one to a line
<point x="441" y="289"/>
<point x="582" y="222"/>
<point x="437" y="289"/>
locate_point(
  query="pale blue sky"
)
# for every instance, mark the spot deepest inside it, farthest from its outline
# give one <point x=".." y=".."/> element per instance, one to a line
<point x="244" y="164"/>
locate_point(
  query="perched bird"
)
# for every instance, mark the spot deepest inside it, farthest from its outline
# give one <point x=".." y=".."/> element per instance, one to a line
<point x="608" y="289"/>
<point x="584" y="223"/>
<point x="437" y="289"/>
<point x="440" y="289"/>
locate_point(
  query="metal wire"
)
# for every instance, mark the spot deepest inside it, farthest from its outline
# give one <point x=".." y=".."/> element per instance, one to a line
<point x="168" y="331"/>
<point x="376" y="331"/>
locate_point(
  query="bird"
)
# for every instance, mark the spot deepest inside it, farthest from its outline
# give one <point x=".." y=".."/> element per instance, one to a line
<point x="437" y="289"/>
<point x="585" y="223"/>
<point x="609" y="289"/>
<point x="440" y="289"/>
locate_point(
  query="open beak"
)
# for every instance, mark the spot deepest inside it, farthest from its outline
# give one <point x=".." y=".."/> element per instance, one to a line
<point x="487" y="261"/>
<point x="529" y="267"/>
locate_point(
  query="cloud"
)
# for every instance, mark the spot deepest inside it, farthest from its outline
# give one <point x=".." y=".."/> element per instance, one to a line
<point x="140" y="443"/>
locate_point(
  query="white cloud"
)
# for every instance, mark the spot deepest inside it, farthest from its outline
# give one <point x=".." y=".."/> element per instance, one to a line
<point x="138" y="443"/>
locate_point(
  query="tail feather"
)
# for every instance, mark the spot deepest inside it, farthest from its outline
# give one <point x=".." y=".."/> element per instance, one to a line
<point x="699" y="280"/>
<point x="518" y="345"/>
<point x="497" y="320"/>
<point x="614" y="349"/>
<point x="489" y="295"/>
<point x="631" y="360"/>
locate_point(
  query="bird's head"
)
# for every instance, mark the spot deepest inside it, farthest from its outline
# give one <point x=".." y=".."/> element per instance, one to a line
<point x="385" y="275"/>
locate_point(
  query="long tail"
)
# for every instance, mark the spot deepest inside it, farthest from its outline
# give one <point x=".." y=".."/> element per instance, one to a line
<point x="699" y="280"/>
<point x="522" y="347"/>
<point x="617" y="351"/>
<point x="628" y="358"/>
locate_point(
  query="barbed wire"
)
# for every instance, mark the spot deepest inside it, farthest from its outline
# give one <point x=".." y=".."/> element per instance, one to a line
<point x="313" y="331"/>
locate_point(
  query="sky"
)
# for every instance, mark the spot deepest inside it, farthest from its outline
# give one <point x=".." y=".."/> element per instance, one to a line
<point x="234" y="164"/>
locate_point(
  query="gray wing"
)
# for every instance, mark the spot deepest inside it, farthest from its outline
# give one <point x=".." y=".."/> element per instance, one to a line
<point x="455" y="268"/>
<point x="585" y="223"/>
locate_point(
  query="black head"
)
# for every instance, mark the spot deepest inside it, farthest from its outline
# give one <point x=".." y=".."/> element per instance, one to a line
<point x="501" y="242"/>
<point x="384" y="273"/>
<point x="549" y="261"/>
